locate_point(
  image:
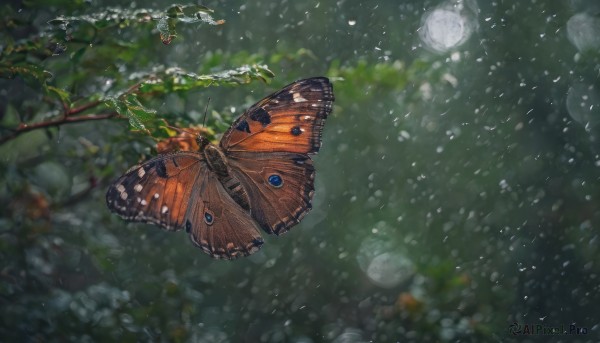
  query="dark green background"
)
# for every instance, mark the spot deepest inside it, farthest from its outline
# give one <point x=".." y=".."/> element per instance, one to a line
<point x="467" y="176"/>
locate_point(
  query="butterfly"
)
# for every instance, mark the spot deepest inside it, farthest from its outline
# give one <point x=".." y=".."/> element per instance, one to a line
<point x="259" y="176"/>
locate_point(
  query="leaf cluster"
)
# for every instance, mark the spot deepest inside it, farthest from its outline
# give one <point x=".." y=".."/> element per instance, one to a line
<point x="97" y="63"/>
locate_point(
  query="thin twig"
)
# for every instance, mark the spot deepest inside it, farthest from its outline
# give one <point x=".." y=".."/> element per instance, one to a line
<point x="22" y="128"/>
<point x="82" y="108"/>
<point x="133" y="89"/>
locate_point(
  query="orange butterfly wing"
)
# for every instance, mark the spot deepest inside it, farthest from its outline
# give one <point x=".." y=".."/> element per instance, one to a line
<point x="178" y="191"/>
<point x="290" y="120"/>
<point x="158" y="191"/>
<point x="230" y="233"/>
<point x="271" y="142"/>
<point x="276" y="208"/>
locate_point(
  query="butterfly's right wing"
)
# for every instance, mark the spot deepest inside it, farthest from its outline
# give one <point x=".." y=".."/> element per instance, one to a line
<point x="280" y="187"/>
<point x="178" y="191"/>
<point x="290" y="120"/>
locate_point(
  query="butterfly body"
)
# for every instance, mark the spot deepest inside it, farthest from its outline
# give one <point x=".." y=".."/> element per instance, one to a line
<point x="259" y="176"/>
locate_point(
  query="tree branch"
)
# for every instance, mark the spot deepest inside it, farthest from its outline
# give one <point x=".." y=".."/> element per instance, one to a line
<point x="22" y="128"/>
<point x="82" y="108"/>
<point x="68" y="117"/>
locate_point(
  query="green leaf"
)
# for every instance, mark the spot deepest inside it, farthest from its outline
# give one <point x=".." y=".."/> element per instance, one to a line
<point x="61" y="94"/>
<point x="135" y="121"/>
<point x="76" y="55"/>
<point x="177" y="79"/>
<point x="30" y="72"/>
<point x="122" y="17"/>
<point x="166" y="28"/>
<point x="192" y="14"/>
<point x="130" y="107"/>
<point x="134" y="105"/>
<point x="117" y="105"/>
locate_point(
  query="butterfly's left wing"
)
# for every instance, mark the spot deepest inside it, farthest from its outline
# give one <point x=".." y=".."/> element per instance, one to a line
<point x="290" y="120"/>
<point x="158" y="191"/>
<point x="176" y="191"/>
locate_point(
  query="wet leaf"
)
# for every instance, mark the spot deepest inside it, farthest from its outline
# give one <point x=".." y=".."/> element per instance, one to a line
<point x="130" y="107"/>
<point x="177" y="79"/>
<point x="61" y="94"/>
<point x="30" y="72"/>
<point x="166" y="28"/>
<point x="122" y="17"/>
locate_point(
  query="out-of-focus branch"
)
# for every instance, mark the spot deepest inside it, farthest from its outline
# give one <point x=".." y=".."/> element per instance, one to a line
<point x="82" y="108"/>
<point x="70" y="116"/>
<point x="23" y="127"/>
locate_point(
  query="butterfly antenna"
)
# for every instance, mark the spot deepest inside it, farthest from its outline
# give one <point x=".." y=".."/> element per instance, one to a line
<point x="205" y="110"/>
